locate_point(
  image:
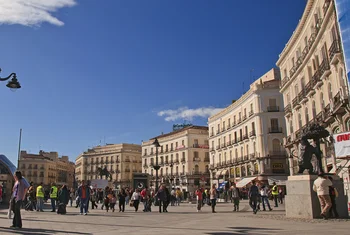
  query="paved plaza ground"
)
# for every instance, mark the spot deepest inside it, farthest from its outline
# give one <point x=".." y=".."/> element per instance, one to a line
<point x="179" y="220"/>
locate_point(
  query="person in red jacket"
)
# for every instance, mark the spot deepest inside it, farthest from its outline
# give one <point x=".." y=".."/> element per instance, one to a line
<point x="199" y="194"/>
<point x="144" y="198"/>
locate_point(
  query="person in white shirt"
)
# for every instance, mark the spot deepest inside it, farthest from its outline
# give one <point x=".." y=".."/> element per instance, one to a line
<point x="136" y="199"/>
<point x="321" y="186"/>
<point x="264" y="197"/>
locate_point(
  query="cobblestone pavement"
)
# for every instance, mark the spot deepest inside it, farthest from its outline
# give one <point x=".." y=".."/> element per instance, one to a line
<point x="178" y="220"/>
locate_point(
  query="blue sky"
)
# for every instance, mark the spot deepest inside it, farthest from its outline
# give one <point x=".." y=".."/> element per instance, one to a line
<point x="95" y="70"/>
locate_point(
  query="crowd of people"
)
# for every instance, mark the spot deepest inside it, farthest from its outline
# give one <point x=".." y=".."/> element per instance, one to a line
<point x="32" y="197"/>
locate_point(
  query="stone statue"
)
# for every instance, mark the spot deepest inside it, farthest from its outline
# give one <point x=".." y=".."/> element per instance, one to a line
<point x="104" y="172"/>
<point x="308" y="152"/>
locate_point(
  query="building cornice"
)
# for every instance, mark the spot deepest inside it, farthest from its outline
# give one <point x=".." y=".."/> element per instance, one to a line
<point x="295" y="36"/>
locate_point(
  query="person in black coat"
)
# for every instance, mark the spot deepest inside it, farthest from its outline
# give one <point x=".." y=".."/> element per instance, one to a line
<point x="168" y="199"/>
<point x="63" y="199"/>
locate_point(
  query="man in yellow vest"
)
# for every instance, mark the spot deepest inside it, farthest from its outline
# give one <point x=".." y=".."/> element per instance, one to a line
<point x="275" y="193"/>
<point x="40" y="198"/>
<point x="53" y="196"/>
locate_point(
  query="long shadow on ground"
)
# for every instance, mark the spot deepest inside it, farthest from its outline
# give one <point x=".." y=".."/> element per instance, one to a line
<point x="248" y="230"/>
<point x="38" y="231"/>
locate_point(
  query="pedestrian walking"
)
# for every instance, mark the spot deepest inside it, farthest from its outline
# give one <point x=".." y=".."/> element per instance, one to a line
<point x="93" y="199"/>
<point x="321" y="186"/>
<point x="253" y="197"/>
<point x="199" y="194"/>
<point x="161" y="196"/>
<point x="106" y="203"/>
<point x="40" y="197"/>
<point x="213" y="196"/>
<point x="84" y="195"/>
<point x="53" y="196"/>
<point x="280" y="195"/>
<point x="113" y="202"/>
<point x="121" y="197"/>
<point x="71" y="196"/>
<point x="144" y="198"/>
<point x="264" y="197"/>
<point x="136" y="199"/>
<point x="333" y="193"/>
<point x="178" y="194"/>
<point x="18" y="194"/>
<point x="173" y="196"/>
<point x="63" y="199"/>
<point x="235" y="197"/>
<point x="275" y="193"/>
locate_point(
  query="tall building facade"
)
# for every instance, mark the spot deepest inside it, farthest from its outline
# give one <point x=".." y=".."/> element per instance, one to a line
<point x="47" y="167"/>
<point x="183" y="158"/>
<point x="246" y="137"/>
<point x="314" y="83"/>
<point x="121" y="160"/>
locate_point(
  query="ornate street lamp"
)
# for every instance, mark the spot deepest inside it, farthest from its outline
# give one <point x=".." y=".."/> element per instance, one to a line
<point x="13" y="84"/>
<point x="156" y="167"/>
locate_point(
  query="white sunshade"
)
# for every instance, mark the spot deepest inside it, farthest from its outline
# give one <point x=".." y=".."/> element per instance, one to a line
<point x="340" y="165"/>
<point x="244" y="182"/>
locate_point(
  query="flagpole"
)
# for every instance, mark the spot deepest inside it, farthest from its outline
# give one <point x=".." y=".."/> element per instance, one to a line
<point x="19" y="147"/>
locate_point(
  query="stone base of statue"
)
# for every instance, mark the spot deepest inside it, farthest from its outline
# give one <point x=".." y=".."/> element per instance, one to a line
<point x="302" y="202"/>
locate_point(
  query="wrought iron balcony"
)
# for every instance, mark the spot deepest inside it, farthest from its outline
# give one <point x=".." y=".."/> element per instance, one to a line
<point x="275" y="130"/>
<point x="251" y="112"/>
<point x="326" y="5"/>
<point x="273" y="108"/>
<point x="252" y="133"/>
<point x="288" y="109"/>
<point x="245" y="137"/>
<point x="334" y="49"/>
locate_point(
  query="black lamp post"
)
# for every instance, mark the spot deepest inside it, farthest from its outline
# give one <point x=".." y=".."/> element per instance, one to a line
<point x="13" y="83"/>
<point x="156" y="167"/>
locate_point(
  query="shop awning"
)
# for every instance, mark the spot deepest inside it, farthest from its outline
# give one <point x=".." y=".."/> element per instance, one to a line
<point x="279" y="180"/>
<point x="340" y="165"/>
<point x="244" y="182"/>
<point x="224" y="172"/>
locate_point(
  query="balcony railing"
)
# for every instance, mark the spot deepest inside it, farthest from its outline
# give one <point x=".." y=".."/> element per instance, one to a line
<point x="334" y="49"/>
<point x="275" y="129"/>
<point x="239" y="120"/>
<point x="277" y="153"/>
<point x="223" y="145"/>
<point x="206" y="159"/>
<point x="212" y="149"/>
<point x="201" y="146"/>
<point x="251" y="112"/>
<point x="288" y="108"/>
<point x="228" y="143"/>
<point x="196" y="159"/>
<point x="252" y="133"/>
<point x="217" y="147"/>
<point x="324" y="66"/>
<point x="245" y="137"/>
<point x="244" y="117"/>
<point x="273" y="108"/>
<point x="127" y="160"/>
<point x="217" y="132"/>
<point x="211" y="134"/>
<point x="284" y="81"/>
<point x="183" y="159"/>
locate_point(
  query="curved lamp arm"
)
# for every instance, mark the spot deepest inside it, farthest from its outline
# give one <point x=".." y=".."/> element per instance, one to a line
<point x="7" y="78"/>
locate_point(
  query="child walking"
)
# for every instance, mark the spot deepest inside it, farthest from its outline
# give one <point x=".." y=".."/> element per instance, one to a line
<point x="106" y="203"/>
<point x="113" y="202"/>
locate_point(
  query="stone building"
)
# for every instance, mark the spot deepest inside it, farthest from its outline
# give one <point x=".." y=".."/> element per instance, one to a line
<point x="314" y="83"/>
<point x="47" y="167"/>
<point x="121" y="160"/>
<point x="183" y="158"/>
<point x="246" y="137"/>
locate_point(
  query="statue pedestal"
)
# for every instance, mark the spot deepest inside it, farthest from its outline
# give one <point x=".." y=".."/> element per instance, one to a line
<point x="302" y="202"/>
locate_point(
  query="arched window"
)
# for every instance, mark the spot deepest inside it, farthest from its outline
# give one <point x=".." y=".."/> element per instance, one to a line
<point x="348" y="125"/>
<point x="336" y="130"/>
<point x="330" y="95"/>
<point x="306" y="115"/>
<point x="321" y="101"/>
<point x="276" y="145"/>
<point x="300" y="120"/>
<point x="314" y="109"/>
<point x="196" y="169"/>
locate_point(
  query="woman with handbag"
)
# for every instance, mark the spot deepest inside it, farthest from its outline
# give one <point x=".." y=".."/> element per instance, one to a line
<point x="135" y="198"/>
<point x="18" y="194"/>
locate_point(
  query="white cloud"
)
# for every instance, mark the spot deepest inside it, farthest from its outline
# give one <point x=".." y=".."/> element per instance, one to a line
<point x="32" y="12"/>
<point x="184" y="113"/>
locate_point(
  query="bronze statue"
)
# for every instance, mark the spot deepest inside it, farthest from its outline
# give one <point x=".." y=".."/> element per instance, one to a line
<point x="307" y="151"/>
<point x="104" y="172"/>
